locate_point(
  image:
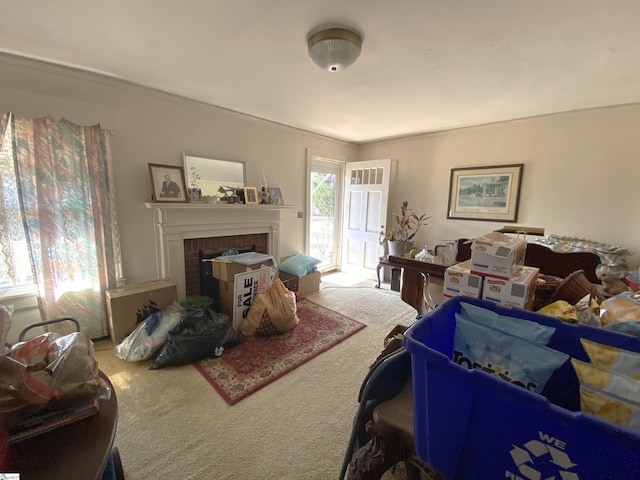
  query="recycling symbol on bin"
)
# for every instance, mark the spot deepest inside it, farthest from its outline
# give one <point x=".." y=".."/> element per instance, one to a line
<point x="536" y="453"/>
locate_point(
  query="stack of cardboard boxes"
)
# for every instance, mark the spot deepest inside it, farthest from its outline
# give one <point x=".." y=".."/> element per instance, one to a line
<point x="495" y="272"/>
<point x="240" y="278"/>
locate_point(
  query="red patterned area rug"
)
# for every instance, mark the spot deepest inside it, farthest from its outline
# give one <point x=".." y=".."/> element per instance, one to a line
<point x="258" y="361"/>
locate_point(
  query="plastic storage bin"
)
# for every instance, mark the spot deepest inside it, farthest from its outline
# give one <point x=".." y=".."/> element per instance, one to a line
<point x="470" y="425"/>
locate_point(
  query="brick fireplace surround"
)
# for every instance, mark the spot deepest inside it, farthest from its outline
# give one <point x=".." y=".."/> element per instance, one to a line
<point x="192" y="247"/>
<point x="182" y="228"/>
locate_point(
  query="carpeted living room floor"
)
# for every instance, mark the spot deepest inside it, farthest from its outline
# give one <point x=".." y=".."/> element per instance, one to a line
<point x="173" y="424"/>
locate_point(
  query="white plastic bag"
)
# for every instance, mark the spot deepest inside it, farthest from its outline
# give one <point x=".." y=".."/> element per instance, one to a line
<point x="150" y="334"/>
<point x="425" y="256"/>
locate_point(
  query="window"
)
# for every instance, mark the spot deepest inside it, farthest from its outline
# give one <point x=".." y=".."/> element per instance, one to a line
<point x="15" y="269"/>
<point x="324" y="221"/>
<point x="58" y="218"/>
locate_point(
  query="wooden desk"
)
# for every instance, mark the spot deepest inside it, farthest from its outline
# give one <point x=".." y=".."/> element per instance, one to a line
<point x="411" y="290"/>
<point x="80" y="450"/>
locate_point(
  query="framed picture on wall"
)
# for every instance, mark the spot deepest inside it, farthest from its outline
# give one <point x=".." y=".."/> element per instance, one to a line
<point x="167" y="183"/>
<point x="489" y="193"/>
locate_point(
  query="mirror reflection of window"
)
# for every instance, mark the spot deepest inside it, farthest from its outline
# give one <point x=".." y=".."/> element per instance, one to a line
<point x="213" y="176"/>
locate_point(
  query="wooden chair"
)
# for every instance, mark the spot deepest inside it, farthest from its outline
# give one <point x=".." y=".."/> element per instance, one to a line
<point x="382" y="433"/>
<point x="31" y="326"/>
<point x="427" y="303"/>
<point x="384" y="381"/>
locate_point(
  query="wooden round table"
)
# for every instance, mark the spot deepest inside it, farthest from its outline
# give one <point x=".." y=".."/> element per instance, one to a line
<point x="79" y="450"/>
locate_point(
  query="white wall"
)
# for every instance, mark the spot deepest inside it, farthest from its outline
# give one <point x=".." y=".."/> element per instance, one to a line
<point x="153" y="127"/>
<point x="580" y="177"/>
<point x="581" y="174"/>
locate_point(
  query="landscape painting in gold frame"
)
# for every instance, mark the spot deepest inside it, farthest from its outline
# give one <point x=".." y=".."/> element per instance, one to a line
<point x="490" y="193"/>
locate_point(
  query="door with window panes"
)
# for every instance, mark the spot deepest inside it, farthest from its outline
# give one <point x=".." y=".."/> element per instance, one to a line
<point x="325" y="219"/>
<point x="365" y="211"/>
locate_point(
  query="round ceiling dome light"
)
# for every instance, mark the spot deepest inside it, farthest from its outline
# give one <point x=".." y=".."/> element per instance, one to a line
<point x="334" y="49"/>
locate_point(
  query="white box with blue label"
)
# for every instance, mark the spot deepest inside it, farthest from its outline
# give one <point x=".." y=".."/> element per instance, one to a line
<point x="497" y="255"/>
<point x="517" y="292"/>
<point x="458" y="280"/>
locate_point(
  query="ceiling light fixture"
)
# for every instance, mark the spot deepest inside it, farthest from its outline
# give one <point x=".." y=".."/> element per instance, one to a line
<point x="334" y="49"/>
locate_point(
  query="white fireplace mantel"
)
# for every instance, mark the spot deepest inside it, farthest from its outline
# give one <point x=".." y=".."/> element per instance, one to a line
<point x="176" y="222"/>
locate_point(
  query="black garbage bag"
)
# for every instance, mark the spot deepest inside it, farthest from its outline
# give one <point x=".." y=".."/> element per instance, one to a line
<point x="202" y="333"/>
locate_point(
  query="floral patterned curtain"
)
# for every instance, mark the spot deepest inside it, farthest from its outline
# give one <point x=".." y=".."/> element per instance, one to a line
<point x="8" y="216"/>
<point x="66" y="195"/>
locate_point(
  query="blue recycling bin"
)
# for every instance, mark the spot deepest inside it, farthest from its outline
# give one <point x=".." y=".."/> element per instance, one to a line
<point x="470" y="425"/>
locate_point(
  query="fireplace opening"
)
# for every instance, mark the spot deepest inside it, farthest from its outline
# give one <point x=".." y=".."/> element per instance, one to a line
<point x="209" y="286"/>
<point x="198" y="282"/>
<point x="182" y="230"/>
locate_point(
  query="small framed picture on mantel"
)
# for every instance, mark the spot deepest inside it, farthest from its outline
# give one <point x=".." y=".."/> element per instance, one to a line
<point x="275" y="196"/>
<point x="251" y="195"/>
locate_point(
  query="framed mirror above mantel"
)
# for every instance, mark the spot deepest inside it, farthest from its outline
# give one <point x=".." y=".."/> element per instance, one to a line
<point x="213" y="176"/>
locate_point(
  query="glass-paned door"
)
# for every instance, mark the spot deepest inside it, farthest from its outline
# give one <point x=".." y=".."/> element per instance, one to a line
<point x="325" y="207"/>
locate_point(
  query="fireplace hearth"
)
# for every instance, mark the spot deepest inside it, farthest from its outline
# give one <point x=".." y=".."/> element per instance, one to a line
<point x="209" y="227"/>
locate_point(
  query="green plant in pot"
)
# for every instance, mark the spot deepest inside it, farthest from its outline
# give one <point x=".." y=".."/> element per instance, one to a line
<point x="405" y="227"/>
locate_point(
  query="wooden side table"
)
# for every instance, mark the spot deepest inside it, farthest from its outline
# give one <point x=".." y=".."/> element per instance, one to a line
<point x="78" y="450"/>
<point x="412" y="285"/>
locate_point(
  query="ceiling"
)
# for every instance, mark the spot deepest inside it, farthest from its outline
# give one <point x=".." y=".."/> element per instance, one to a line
<point x="426" y="65"/>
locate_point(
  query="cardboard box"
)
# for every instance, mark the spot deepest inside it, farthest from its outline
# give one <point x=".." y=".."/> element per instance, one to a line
<point x="236" y="295"/>
<point x="227" y="267"/>
<point x="458" y="280"/>
<point x="131" y="304"/>
<point x="497" y="255"/>
<point x="289" y="281"/>
<point x="518" y="291"/>
<point x="303" y="286"/>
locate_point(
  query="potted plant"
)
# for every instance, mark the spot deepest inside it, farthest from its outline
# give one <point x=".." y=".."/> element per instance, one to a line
<point x="195" y="192"/>
<point x="400" y="235"/>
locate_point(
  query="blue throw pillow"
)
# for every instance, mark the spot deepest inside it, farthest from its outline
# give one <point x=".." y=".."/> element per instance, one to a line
<point x="299" y="265"/>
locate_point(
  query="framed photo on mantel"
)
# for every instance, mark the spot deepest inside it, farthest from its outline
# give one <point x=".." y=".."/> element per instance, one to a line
<point x="251" y="195"/>
<point x="167" y="183"/>
<point x="275" y="196"/>
<point x="489" y="193"/>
